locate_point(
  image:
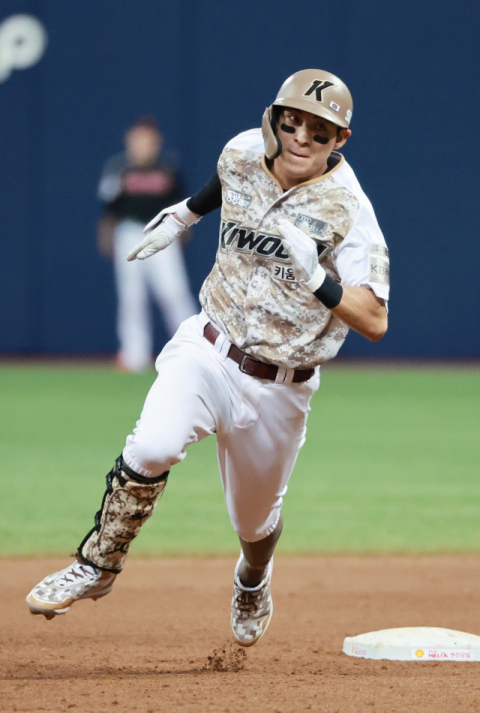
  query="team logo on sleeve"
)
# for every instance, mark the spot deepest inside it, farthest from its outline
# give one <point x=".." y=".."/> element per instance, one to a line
<point x="378" y="249"/>
<point x="379" y="263"/>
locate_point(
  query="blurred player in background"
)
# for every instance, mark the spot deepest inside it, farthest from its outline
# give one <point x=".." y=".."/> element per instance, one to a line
<point x="135" y="185"/>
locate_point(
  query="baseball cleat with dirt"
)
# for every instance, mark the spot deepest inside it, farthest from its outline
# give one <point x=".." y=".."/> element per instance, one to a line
<point x="56" y="593"/>
<point x="252" y="608"/>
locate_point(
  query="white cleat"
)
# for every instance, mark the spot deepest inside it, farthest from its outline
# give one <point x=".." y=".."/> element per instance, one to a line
<point x="252" y="608"/>
<point x="56" y="593"/>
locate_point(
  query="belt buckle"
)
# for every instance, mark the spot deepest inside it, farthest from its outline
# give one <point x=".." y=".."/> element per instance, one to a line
<point x="242" y="364"/>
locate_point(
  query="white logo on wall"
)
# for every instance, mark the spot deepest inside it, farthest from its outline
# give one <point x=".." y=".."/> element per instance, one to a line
<point x="23" y="40"/>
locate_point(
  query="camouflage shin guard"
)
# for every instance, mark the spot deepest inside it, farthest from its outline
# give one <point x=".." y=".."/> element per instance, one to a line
<point x="127" y="504"/>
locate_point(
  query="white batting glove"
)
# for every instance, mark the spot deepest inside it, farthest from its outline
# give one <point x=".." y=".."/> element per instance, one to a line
<point x="163" y="230"/>
<point x="302" y="251"/>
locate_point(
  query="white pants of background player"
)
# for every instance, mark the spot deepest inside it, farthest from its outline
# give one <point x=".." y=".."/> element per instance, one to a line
<point x="162" y="276"/>
<point x="260" y="425"/>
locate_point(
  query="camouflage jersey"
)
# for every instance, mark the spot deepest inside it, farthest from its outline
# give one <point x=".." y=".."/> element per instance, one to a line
<point x="251" y="292"/>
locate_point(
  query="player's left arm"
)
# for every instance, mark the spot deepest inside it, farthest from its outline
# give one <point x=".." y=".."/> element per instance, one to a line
<point x="363" y="311"/>
<point x="358" y="307"/>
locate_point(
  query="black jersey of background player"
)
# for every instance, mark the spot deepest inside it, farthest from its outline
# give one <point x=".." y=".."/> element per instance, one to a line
<point x="139" y="192"/>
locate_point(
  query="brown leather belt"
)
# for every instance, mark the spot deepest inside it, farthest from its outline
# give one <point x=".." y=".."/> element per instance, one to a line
<point x="252" y="367"/>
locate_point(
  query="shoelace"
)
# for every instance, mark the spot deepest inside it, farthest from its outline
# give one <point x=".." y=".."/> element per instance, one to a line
<point x="78" y="571"/>
<point x="248" y="601"/>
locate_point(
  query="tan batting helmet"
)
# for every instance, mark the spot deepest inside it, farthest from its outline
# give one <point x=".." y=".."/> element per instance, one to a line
<point x="313" y="90"/>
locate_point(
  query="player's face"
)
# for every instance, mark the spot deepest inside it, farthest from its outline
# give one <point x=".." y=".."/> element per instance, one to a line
<point x="143" y="145"/>
<point x="307" y="141"/>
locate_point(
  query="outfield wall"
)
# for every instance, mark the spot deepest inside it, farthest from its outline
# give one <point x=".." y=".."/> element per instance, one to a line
<point x="207" y="70"/>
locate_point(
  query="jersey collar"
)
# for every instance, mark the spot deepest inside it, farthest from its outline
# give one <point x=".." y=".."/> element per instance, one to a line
<point x="339" y="163"/>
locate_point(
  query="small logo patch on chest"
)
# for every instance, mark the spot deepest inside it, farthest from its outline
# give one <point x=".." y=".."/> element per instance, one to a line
<point x="315" y="225"/>
<point x="236" y="198"/>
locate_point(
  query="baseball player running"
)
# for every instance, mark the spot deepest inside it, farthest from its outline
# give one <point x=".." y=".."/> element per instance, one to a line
<point x="300" y="260"/>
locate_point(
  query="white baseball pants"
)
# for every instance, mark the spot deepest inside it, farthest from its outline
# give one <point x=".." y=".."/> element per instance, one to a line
<point x="260" y="425"/>
<point x="164" y="277"/>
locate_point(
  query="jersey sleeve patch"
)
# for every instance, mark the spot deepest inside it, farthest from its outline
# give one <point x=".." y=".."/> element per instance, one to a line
<point x="379" y="263"/>
<point x="378" y="249"/>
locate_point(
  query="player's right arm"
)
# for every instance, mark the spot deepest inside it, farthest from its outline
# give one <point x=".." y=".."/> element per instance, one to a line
<point x="172" y="222"/>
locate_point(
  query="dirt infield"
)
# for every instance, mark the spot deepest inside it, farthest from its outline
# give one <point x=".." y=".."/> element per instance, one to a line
<point x="150" y="645"/>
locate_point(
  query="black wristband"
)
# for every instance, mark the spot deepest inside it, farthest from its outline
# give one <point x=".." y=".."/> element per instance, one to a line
<point x="329" y="293"/>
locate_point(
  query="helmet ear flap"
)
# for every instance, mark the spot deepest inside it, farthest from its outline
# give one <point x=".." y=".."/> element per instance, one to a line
<point x="273" y="145"/>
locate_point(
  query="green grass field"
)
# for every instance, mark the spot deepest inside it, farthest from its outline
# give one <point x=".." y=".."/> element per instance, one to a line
<point x="391" y="464"/>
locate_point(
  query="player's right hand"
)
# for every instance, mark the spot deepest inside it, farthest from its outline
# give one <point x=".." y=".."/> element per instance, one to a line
<point x="169" y="224"/>
<point x="158" y="239"/>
